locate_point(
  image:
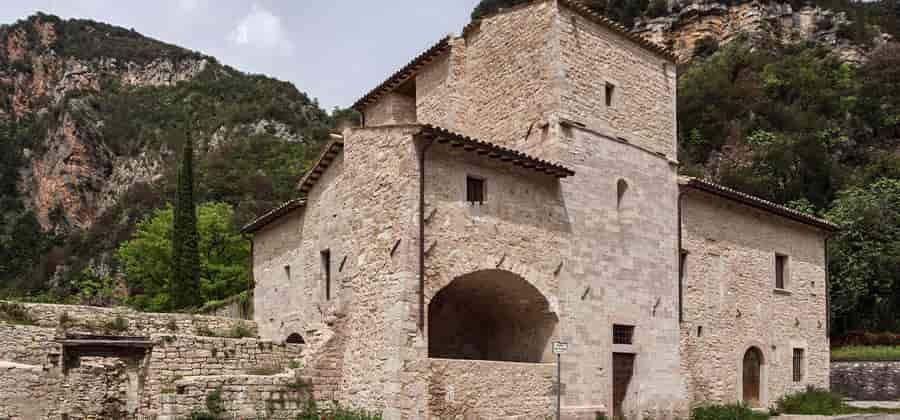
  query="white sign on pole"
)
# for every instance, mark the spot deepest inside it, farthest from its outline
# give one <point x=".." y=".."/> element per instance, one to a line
<point x="560" y="347"/>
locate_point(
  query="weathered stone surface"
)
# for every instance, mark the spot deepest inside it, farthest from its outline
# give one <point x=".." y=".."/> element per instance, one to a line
<point x="867" y="381"/>
<point x="731" y="303"/>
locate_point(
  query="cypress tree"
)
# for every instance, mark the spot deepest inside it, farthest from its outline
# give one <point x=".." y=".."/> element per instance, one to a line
<point x="185" y="283"/>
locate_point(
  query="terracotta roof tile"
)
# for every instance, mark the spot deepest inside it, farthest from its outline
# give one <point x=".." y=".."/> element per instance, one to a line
<point x="442" y="135"/>
<point x="272" y="215"/>
<point x="408" y="71"/>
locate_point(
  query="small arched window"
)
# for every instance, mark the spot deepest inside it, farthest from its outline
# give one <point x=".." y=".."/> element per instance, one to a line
<point x="295" y="338"/>
<point x="621" y="189"/>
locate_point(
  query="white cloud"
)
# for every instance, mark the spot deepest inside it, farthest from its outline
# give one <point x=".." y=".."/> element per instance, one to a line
<point x="261" y="29"/>
<point x="189" y="6"/>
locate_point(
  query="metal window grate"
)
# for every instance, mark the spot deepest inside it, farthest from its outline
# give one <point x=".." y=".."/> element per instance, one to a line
<point x="798" y="365"/>
<point x="623" y="334"/>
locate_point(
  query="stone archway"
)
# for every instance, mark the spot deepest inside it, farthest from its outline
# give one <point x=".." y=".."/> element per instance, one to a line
<point x="752" y="367"/>
<point x="490" y="315"/>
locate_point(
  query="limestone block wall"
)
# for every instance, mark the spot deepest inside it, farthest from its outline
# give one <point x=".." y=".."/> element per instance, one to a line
<point x="27" y="344"/>
<point x="392" y="108"/>
<point x="91" y="319"/>
<point x="644" y="84"/>
<point x="244" y="396"/>
<point x="490" y="390"/>
<point x="620" y="267"/>
<point x="867" y="381"/>
<point x="290" y="295"/>
<point x="509" y="75"/>
<point x="730" y="301"/>
<point x="179" y="356"/>
<point x="26" y="392"/>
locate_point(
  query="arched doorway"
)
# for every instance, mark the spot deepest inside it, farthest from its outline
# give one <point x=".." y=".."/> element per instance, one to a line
<point x="295" y="338"/>
<point x="752" y="377"/>
<point x="490" y="315"/>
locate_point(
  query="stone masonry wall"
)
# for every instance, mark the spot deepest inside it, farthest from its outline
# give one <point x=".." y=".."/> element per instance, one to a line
<point x="731" y="304"/>
<point x="26" y="392"/>
<point x="28" y="344"/>
<point x="243" y="396"/>
<point x="509" y="85"/>
<point x="643" y="103"/>
<point x="490" y="390"/>
<point x="179" y="356"/>
<point x="91" y="319"/>
<point x="288" y="264"/>
<point x="866" y="381"/>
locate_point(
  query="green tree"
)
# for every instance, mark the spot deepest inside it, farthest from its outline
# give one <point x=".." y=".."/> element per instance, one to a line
<point x="865" y="282"/>
<point x="147" y="258"/>
<point x="185" y="258"/>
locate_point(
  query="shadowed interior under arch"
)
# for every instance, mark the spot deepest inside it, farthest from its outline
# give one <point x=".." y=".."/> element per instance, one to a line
<point x="490" y="315"/>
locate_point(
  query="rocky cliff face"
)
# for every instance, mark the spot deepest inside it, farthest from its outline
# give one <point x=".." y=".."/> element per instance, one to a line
<point x="103" y="107"/>
<point x="691" y="23"/>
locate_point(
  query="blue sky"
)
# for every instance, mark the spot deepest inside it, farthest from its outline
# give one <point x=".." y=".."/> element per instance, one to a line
<point x="334" y="50"/>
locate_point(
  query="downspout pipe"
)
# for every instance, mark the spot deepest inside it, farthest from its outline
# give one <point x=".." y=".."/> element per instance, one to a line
<point x="424" y="148"/>
<point x="680" y="261"/>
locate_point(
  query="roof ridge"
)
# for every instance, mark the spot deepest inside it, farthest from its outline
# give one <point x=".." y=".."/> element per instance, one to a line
<point x="712" y="187"/>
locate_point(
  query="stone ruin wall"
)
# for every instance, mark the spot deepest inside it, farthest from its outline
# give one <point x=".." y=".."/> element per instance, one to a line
<point x="38" y="382"/>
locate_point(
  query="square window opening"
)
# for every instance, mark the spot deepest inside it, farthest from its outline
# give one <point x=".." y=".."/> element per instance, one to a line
<point x="623" y="334"/>
<point x="474" y="190"/>
<point x="781" y="270"/>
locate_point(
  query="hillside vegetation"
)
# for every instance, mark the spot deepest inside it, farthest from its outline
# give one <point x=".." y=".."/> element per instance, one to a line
<point x="109" y="140"/>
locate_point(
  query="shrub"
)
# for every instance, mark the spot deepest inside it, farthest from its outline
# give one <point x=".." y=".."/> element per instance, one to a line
<point x="214" y="402"/>
<point x="15" y="313"/>
<point x="726" y="412"/>
<point x="117" y="324"/>
<point x="334" y="412"/>
<point x="241" y="331"/>
<point x="812" y="401"/>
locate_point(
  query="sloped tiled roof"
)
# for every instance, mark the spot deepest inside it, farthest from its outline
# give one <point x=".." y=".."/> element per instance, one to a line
<point x="755" y="202"/>
<point x="408" y="71"/>
<point x="272" y="215"/>
<point x="329" y="152"/>
<point x="517" y="158"/>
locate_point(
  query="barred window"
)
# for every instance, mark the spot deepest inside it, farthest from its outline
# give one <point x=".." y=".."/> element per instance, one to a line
<point x="623" y="334"/>
<point x="798" y="365"/>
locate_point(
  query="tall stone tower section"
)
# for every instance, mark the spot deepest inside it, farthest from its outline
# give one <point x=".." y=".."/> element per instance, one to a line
<point x="555" y="80"/>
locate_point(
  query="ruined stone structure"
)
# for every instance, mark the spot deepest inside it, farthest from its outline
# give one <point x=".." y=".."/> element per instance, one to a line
<point x="517" y="185"/>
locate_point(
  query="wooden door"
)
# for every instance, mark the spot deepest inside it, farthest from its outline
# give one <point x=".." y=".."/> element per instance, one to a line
<point x="623" y="370"/>
<point x="752" y="366"/>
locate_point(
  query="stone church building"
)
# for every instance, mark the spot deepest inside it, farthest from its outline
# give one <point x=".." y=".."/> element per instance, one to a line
<point x="518" y="185"/>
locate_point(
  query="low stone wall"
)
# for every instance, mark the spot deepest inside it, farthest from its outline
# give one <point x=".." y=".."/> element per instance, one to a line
<point x="243" y="396"/>
<point x="486" y="389"/>
<point x="181" y="356"/>
<point x="27" y="344"/>
<point x="126" y="321"/>
<point x="874" y="381"/>
<point x="27" y="392"/>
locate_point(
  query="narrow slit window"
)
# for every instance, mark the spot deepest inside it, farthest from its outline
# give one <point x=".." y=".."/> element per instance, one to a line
<point x="474" y="190"/>
<point x="781" y="268"/>
<point x="326" y="272"/>
<point x="621" y="189"/>
<point x="610" y="90"/>
<point x="623" y="334"/>
<point x="798" y="365"/>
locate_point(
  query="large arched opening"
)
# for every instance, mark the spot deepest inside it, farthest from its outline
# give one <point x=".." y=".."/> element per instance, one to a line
<point x="490" y="315"/>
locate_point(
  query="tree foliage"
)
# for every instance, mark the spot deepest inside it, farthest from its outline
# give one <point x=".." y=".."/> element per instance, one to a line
<point x="147" y="258"/>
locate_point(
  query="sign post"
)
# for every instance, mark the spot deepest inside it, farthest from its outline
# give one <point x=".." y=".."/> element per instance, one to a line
<point x="559" y="348"/>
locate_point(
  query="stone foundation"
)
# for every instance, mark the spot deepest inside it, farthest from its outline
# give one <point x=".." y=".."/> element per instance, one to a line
<point x="872" y="381"/>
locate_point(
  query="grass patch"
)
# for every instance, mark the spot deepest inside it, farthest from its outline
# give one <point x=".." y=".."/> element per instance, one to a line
<point x="334" y="411"/>
<point x="726" y="412"/>
<point x="865" y="353"/>
<point x="822" y="402"/>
